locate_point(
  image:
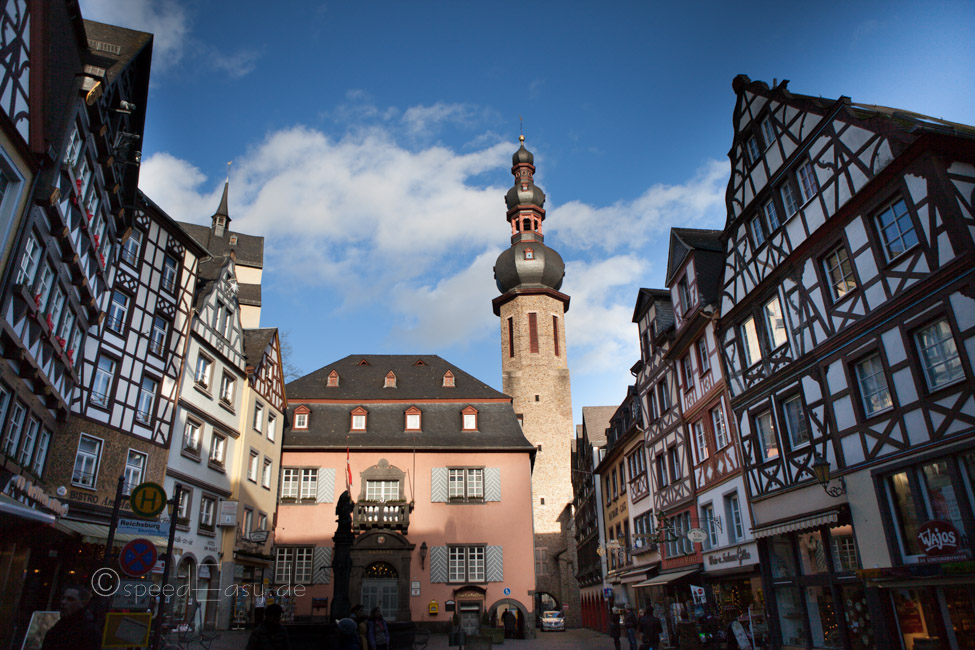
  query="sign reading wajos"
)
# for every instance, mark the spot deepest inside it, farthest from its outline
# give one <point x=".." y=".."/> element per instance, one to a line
<point x="937" y="537"/>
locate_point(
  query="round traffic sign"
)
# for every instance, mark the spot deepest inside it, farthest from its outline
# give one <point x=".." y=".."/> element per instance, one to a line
<point x="147" y="499"/>
<point x="138" y="557"/>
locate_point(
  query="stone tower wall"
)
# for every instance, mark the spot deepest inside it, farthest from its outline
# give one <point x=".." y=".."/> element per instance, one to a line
<point x="538" y="383"/>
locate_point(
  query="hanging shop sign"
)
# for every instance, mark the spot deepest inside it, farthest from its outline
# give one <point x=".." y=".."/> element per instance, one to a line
<point x="697" y="535"/>
<point x="939" y="540"/>
<point x="21" y="488"/>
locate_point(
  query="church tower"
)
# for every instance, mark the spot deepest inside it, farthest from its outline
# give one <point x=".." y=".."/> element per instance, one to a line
<point x="536" y="376"/>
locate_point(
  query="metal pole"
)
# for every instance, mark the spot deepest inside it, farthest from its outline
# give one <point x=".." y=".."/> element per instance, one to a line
<point x="114" y="524"/>
<point x="161" y="605"/>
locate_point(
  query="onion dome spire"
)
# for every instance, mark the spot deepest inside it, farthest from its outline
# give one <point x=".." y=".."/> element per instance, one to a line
<point x="528" y="264"/>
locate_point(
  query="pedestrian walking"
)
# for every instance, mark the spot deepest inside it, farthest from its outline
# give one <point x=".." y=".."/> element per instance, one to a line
<point x="629" y="622"/>
<point x="615" y="627"/>
<point x="509" y="622"/>
<point x="76" y="629"/>
<point x="362" y="621"/>
<point x="650" y="629"/>
<point x="270" y="634"/>
<point x="348" y="634"/>
<point x="378" y="631"/>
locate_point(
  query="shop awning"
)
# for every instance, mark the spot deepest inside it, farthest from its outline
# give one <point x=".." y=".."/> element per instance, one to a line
<point x="636" y="575"/>
<point x="665" y="578"/>
<point x="798" y="523"/>
<point x="12" y="507"/>
<point x="98" y="533"/>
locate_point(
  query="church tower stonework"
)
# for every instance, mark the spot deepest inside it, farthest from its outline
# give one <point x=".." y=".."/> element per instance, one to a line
<point x="535" y="375"/>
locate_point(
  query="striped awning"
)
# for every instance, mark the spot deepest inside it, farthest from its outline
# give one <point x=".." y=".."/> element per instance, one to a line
<point x="799" y="523"/>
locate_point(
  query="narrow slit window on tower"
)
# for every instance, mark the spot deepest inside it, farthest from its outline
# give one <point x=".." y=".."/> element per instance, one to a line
<point x="533" y="332"/>
<point x="555" y="333"/>
<point x="511" y="337"/>
<point x="527" y="225"/>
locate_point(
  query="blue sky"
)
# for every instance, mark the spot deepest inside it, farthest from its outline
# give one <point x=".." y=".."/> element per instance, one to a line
<point x="371" y="145"/>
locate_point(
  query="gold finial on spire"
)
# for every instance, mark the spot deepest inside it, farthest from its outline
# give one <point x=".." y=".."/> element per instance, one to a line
<point x="521" y="139"/>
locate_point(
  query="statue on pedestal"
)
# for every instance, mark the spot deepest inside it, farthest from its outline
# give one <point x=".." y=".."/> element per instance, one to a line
<point x="342" y="558"/>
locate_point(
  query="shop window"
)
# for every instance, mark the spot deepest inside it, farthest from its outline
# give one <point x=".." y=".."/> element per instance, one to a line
<point x="783" y="560"/>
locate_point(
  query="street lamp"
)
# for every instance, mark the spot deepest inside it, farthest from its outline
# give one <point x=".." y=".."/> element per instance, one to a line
<point x="821" y="469"/>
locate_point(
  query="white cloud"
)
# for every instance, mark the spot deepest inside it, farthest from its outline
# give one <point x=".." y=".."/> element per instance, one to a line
<point x="175" y="185"/>
<point x="165" y="19"/>
<point x="598" y="326"/>
<point x="698" y="203"/>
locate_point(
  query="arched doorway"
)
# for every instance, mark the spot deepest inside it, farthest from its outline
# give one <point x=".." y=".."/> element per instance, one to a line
<point x="380" y="588"/>
<point x="207" y="591"/>
<point x="184" y="583"/>
<point x="520" y="613"/>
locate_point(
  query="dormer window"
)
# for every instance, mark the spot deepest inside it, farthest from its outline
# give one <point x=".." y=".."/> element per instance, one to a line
<point x="358" y="416"/>
<point x="469" y="416"/>
<point x="448" y="379"/>
<point x="233" y="240"/>
<point x="333" y="379"/>
<point x="301" y="417"/>
<point x="529" y="254"/>
<point x="685" y="295"/>
<point x="413" y="419"/>
<point x="390" y="380"/>
<point x="221" y="221"/>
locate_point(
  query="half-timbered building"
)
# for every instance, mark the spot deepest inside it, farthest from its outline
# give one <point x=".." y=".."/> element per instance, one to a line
<point x="730" y="557"/>
<point x="72" y="120"/>
<point x="440" y="475"/>
<point x="208" y="416"/>
<point x="847" y="323"/>
<point x="123" y="411"/>
<point x="590" y="528"/>
<point x="668" y="462"/>
<point x="247" y="546"/>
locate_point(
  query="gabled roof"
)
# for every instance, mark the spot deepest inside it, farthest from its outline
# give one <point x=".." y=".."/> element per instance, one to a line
<point x="364" y="381"/>
<point x="645" y="298"/>
<point x="685" y="240"/>
<point x="899" y="119"/>
<point x="256" y="341"/>
<point x="250" y="248"/>
<point x="209" y="273"/>
<point x="595" y="420"/>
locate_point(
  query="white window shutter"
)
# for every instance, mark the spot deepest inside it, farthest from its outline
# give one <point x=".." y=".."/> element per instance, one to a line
<point x="438" y="485"/>
<point x="326" y="484"/>
<point x="323" y="565"/>
<point x="492" y="483"/>
<point x="494" y="560"/>
<point x="438" y="564"/>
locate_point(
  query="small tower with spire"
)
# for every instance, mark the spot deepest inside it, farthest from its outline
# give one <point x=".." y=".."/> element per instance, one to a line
<point x="535" y="374"/>
<point x="220" y="222"/>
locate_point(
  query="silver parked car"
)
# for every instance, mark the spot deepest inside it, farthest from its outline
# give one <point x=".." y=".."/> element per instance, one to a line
<point x="553" y="621"/>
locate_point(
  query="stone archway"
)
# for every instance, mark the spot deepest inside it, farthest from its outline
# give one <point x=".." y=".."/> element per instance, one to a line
<point x="521" y="612"/>
<point x="382" y="547"/>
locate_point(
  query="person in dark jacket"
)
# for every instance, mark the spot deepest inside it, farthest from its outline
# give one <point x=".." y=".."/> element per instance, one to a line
<point x="76" y="629"/>
<point x="650" y="629"/>
<point x="348" y="634"/>
<point x="270" y="634"/>
<point x="629" y="622"/>
<point x="615" y="627"/>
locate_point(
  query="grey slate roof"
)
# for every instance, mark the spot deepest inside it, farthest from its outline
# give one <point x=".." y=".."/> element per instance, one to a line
<point x="596" y="419"/>
<point x="328" y="428"/>
<point x="414" y="382"/>
<point x="209" y="272"/>
<point x="128" y="41"/>
<point x="645" y="298"/>
<point x="250" y="248"/>
<point x="249" y="294"/>
<point x="256" y="341"/>
<point x="441" y="418"/>
<point x="685" y="240"/>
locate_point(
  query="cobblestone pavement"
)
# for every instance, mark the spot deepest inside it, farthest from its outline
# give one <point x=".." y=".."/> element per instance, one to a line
<point x="575" y="639"/>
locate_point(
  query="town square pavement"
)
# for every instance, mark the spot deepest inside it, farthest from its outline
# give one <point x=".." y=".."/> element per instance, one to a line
<point x="573" y="639"/>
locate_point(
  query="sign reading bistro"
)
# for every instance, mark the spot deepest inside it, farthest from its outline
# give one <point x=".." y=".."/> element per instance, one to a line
<point x="939" y="540"/>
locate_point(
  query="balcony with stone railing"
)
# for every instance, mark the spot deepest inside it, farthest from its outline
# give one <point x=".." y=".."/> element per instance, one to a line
<point x="376" y="515"/>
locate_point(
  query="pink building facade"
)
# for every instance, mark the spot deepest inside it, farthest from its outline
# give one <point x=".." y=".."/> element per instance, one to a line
<point x="441" y="480"/>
